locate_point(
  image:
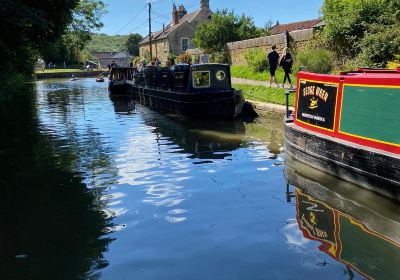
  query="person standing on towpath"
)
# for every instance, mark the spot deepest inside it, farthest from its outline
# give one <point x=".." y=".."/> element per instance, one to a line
<point x="287" y="64"/>
<point x="273" y="59"/>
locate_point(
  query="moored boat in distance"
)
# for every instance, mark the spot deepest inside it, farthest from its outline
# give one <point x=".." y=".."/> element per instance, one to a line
<point x="200" y="90"/>
<point x="349" y="125"/>
<point x="99" y="79"/>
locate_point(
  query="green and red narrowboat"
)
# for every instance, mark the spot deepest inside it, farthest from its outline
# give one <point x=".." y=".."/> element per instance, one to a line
<point x="349" y="126"/>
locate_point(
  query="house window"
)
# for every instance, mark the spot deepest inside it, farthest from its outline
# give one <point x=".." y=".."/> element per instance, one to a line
<point x="184" y="44"/>
<point x="165" y="47"/>
<point x="201" y="79"/>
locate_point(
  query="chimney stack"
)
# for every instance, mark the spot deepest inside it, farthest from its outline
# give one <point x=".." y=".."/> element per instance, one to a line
<point x="181" y="12"/>
<point x="205" y="4"/>
<point x="175" y="19"/>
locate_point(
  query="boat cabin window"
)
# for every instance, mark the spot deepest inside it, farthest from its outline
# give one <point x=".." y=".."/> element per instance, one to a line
<point x="179" y="79"/>
<point x="201" y="79"/>
<point x="220" y="75"/>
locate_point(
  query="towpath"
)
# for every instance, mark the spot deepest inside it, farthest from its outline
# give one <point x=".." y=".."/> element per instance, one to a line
<point x="254" y="82"/>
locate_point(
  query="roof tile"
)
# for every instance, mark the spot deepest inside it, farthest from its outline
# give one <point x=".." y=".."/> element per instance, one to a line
<point x="300" y="25"/>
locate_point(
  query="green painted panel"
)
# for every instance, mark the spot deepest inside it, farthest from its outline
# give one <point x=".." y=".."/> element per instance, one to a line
<point x="372" y="255"/>
<point x="372" y="113"/>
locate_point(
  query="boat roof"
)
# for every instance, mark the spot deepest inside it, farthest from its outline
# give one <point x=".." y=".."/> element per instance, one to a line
<point x="372" y="72"/>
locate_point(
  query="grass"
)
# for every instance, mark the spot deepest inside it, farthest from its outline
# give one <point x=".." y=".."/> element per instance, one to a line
<point x="58" y="70"/>
<point x="244" y="72"/>
<point x="265" y="94"/>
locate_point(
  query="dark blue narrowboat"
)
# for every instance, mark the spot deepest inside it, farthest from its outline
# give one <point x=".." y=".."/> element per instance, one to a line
<point x="200" y="90"/>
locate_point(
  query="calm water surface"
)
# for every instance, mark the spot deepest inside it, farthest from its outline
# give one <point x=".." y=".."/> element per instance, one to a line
<point x="100" y="188"/>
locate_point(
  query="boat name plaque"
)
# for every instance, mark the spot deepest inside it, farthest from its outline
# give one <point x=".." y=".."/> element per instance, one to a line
<point x="316" y="103"/>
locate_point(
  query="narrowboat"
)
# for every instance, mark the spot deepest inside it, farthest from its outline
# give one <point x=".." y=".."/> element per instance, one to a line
<point x="356" y="227"/>
<point x="199" y="90"/>
<point x="349" y="125"/>
<point x="121" y="80"/>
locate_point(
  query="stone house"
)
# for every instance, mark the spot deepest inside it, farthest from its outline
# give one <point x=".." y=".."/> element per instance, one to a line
<point x="103" y="59"/>
<point x="177" y="36"/>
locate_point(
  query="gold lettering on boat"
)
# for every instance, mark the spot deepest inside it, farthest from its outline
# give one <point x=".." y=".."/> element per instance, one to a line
<point x="317" y="92"/>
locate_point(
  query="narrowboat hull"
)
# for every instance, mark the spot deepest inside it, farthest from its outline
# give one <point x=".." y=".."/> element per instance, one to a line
<point x="210" y="105"/>
<point x="120" y="87"/>
<point x="375" y="170"/>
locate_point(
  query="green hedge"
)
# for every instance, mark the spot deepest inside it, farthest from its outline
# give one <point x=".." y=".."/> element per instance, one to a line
<point x="256" y="60"/>
<point x="316" y="60"/>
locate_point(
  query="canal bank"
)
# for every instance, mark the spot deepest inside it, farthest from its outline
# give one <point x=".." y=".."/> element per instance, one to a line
<point x="265" y="108"/>
<point x="61" y="75"/>
<point x="265" y="99"/>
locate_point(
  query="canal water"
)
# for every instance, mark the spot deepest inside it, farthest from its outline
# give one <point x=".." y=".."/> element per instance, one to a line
<point x="100" y="188"/>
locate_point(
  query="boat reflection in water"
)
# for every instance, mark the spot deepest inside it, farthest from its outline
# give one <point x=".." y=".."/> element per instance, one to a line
<point x="123" y="104"/>
<point x="201" y="139"/>
<point x="354" y="226"/>
<point x="207" y="139"/>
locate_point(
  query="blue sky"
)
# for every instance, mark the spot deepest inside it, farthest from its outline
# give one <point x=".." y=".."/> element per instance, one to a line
<point x="130" y="16"/>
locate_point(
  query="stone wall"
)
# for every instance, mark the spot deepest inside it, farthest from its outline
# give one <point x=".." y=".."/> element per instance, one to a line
<point x="160" y="49"/>
<point x="296" y="39"/>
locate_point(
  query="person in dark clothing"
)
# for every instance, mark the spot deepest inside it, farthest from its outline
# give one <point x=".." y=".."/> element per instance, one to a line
<point x="113" y="64"/>
<point x="273" y="59"/>
<point x="287" y="64"/>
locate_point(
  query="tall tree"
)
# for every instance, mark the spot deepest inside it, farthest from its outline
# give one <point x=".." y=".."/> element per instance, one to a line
<point x="353" y="25"/>
<point x="86" y="18"/>
<point x="132" y="43"/>
<point x="28" y="26"/>
<point x="223" y="28"/>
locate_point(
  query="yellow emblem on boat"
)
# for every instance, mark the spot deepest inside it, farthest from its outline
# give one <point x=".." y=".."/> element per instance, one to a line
<point x="313" y="103"/>
<point x="313" y="218"/>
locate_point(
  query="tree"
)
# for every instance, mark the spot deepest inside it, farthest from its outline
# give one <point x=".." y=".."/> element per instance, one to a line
<point x="381" y="45"/>
<point x="268" y="28"/>
<point x="246" y="28"/>
<point x="132" y="43"/>
<point x="85" y="19"/>
<point x="27" y="27"/>
<point x="350" y="22"/>
<point x="223" y="28"/>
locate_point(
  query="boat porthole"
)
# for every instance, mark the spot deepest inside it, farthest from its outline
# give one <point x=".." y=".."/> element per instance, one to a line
<point x="220" y="75"/>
